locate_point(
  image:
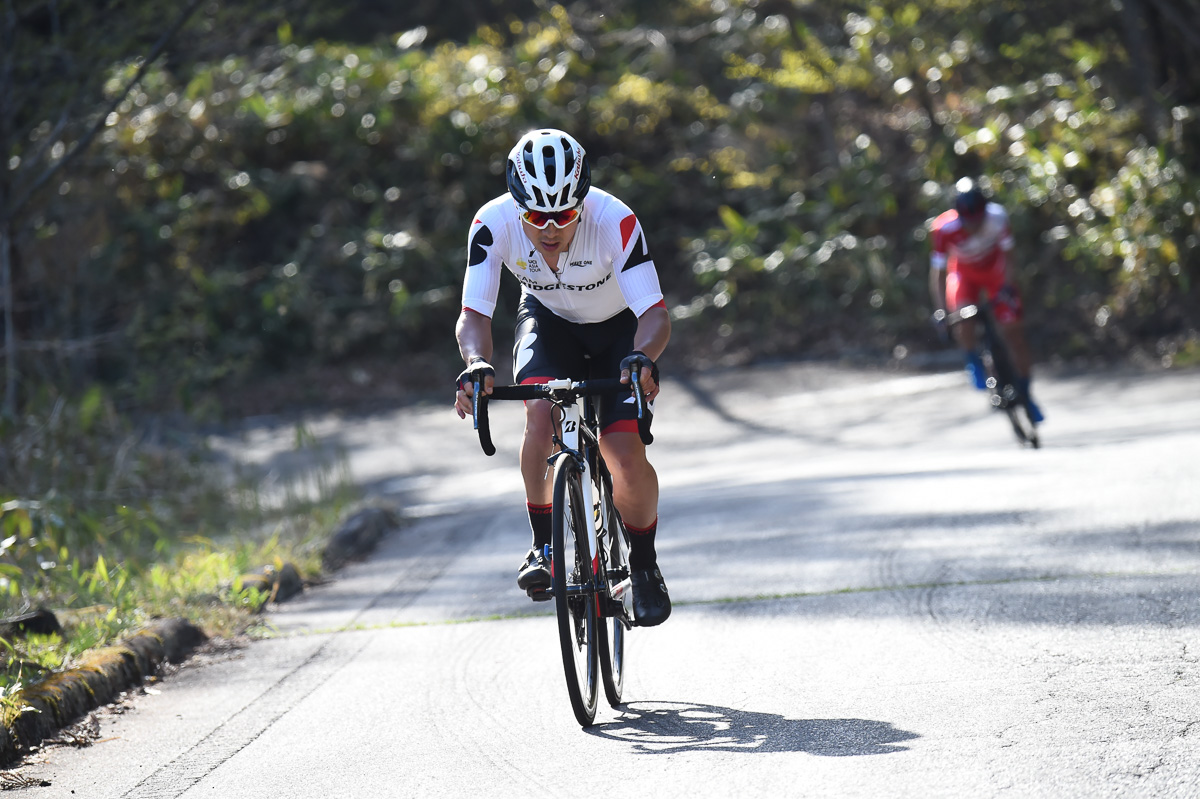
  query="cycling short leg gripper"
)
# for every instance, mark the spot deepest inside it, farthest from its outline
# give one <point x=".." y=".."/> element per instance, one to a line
<point x="641" y="545"/>
<point x="539" y="522"/>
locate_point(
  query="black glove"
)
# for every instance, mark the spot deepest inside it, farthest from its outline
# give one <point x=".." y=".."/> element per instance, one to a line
<point x="475" y="372"/>
<point x="642" y="361"/>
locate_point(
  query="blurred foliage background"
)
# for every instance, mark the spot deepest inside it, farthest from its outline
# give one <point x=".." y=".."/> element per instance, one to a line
<point x="292" y="186"/>
<point x="218" y="208"/>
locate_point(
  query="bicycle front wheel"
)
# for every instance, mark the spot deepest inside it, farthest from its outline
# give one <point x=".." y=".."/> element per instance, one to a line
<point x="614" y="562"/>
<point x="1006" y="395"/>
<point x="574" y="587"/>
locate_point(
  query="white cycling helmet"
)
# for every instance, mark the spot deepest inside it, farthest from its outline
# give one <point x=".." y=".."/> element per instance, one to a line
<point x="548" y="171"/>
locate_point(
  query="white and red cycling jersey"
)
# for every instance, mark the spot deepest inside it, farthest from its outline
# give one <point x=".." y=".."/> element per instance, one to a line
<point x="607" y="268"/>
<point x="979" y="254"/>
<point x="976" y="261"/>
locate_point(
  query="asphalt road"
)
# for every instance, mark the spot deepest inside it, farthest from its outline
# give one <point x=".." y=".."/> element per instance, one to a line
<point x="877" y="594"/>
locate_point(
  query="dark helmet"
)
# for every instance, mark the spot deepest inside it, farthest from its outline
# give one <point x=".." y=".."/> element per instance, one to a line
<point x="970" y="201"/>
<point x="548" y="171"/>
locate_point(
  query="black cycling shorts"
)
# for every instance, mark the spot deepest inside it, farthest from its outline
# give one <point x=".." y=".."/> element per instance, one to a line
<point x="548" y="347"/>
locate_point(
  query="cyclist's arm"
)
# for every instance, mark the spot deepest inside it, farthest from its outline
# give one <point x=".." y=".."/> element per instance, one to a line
<point x="1004" y="247"/>
<point x="474" y="334"/>
<point x="937" y="287"/>
<point x="1006" y="259"/>
<point x="653" y="333"/>
<point x="939" y="262"/>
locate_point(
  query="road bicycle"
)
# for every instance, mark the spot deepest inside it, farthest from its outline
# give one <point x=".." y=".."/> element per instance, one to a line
<point x="589" y="548"/>
<point x="1003" y="384"/>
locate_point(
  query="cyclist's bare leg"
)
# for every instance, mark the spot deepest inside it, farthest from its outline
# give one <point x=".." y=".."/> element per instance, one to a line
<point x="965" y="335"/>
<point x="1014" y="334"/>
<point x="635" y="483"/>
<point x="535" y="449"/>
<point x="635" y="493"/>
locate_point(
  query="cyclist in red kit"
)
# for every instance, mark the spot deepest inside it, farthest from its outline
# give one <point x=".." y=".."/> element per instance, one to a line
<point x="970" y="255"/>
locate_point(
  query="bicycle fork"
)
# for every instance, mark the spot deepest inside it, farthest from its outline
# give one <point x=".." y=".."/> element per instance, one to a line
<point x="568" y="442"/>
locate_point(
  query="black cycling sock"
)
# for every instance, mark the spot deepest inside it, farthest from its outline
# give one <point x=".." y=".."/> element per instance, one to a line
<point x="539" y="522"/>
<point x="641" y="546"/>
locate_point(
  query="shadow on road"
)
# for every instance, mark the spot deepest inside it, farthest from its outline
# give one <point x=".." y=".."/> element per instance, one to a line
<point x="670" y="727"/>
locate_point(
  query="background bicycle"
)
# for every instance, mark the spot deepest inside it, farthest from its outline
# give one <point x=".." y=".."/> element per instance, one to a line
<point x="1003" y="381"/>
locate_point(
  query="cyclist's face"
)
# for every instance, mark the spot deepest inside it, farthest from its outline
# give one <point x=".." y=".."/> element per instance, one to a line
<point x="972" y="222"/>
<point x="551" y="240"/>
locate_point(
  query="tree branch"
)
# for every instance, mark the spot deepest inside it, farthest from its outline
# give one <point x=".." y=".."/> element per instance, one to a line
<point x="85" y="141"/>
<point x="1182" y="25"/>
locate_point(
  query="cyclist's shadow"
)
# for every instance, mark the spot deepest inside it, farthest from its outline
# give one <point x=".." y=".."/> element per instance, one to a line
<point x="682" y="726"/>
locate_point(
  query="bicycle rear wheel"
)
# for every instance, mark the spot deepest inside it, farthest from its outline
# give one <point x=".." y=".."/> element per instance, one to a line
<point x="614" y="564"/>
<point x="1022" y="424"/>
<point x="1005" y="394"/>
<point x="573" y="585"/>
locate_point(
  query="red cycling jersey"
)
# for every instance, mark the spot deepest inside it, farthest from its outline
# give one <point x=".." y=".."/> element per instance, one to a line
<point x="976" y="261"/>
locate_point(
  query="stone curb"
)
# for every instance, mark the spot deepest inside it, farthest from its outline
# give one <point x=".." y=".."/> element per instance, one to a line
<point x="353" y="539"/>
<point x="45" y="708"/>
<point x="41" y="710"/>
<point x="279" y="584"/>
<point x="358" y="535"/>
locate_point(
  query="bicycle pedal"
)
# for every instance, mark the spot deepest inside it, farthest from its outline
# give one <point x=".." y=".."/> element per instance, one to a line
<point x="539" y="594"/>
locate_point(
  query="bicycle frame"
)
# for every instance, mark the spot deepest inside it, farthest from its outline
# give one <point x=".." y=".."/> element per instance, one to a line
<point x="576" y="426"/>
<point x="577" y="435"/>
<point x="995" y="354"/>
<point x="1004" y="393"/>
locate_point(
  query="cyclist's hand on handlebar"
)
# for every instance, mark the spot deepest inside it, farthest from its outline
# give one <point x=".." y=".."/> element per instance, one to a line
<point x="938" y="320"/>
<point x="647" y="372"/>
<point x="477" y="370"/>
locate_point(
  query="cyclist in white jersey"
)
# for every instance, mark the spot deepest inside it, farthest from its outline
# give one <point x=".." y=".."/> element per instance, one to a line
<point x="591" y="306"/>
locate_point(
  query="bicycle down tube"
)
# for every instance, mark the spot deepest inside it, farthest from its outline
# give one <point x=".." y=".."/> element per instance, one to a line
<point x="565" y="394"/>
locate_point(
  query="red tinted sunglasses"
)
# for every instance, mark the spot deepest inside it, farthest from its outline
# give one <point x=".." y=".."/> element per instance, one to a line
<point x="560" y="219"/>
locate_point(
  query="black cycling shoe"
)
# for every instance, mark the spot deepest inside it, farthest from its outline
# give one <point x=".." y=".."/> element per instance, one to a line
<point x="651" y="602"/>
<point x="534" y="574"/>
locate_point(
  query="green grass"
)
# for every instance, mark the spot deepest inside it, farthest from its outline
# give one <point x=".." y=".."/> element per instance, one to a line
<point x="110" y="528"/>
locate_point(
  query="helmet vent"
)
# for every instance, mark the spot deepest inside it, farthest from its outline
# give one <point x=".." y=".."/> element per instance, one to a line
<point x="548" y="171"/>
<point x="550" y="166"/>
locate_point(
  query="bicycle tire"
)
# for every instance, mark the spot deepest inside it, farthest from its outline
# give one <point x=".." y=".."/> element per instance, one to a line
<point x="1013" y="400"/>
<point x="573" y="584"/>
<point x="614" y="562"/>
<point x="1022" y="423"/>
<point x="1006" y="395"/>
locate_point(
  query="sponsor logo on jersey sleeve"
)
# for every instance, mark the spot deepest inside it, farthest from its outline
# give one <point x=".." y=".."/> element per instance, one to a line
<point x="628" y="225"/>
<point x="639" y="253"/>
<point x="481" y="240"/>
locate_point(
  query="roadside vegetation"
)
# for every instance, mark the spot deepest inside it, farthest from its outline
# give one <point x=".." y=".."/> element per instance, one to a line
<point x="207" y="208"/>
<point x="108" y="527"/>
